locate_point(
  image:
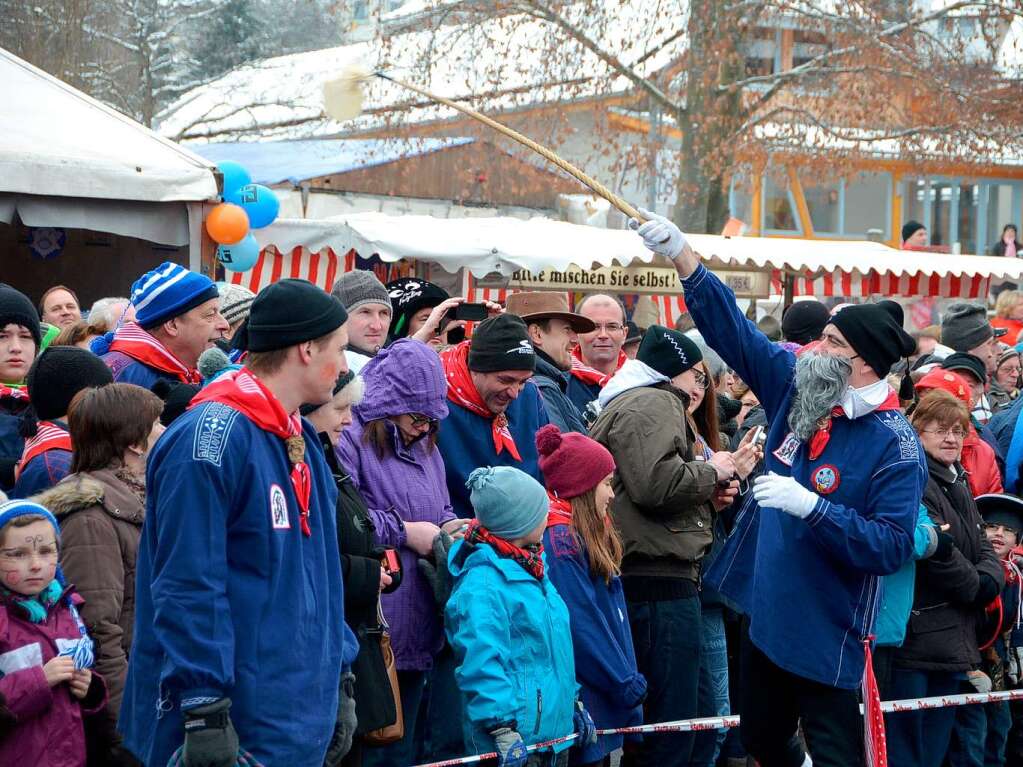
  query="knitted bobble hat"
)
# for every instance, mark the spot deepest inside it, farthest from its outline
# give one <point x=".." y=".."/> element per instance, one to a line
<point x="508" y="502"/>
<point x="58" y="374"/>
<point x="572" y="464"/>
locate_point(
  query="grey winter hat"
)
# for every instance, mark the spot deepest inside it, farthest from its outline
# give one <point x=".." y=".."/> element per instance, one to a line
<point x="360" y="287"/>
<point x="234" y="302"/>
<point x="965" y="326"/>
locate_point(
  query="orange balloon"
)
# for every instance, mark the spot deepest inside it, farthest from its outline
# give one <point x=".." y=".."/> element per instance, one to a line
<point x="227" y="223"/>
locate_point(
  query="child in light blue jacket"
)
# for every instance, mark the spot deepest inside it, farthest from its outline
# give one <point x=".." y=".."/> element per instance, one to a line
<point x="509" y="628"/>
<point x="897" y="601"/>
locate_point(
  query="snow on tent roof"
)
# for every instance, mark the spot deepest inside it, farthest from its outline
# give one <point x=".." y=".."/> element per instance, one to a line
<point x="273" y="162"/>
<point x="55" y="140"/>
<point x="499" y="64"/>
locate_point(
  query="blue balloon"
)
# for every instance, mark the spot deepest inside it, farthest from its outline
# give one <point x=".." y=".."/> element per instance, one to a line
<point x="235" y="176"/>
<point x="241" y="256"/>
<point x="259" y="202"/>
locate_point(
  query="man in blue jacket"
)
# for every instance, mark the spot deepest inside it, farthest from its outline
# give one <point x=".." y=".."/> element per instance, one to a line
<point x="239" y="633"/>
<point x="494" y="409"/>
<point x="177" y="317"/>
<point x="835" y="512"/>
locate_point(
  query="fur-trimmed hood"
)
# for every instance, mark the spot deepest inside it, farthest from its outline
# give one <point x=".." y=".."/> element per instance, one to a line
<point x="87" y="489"/>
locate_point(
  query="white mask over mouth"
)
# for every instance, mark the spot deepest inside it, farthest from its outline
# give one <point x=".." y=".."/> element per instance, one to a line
<point x="866" y="399"/>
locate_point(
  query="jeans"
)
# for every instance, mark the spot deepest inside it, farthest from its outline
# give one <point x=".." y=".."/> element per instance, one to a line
<point x="440" y="732"/>
<point x="775" y="702"/>
<point x="713" y="689"/>
<point x="920" y="738"/>
<point x="980" y="734"/>
<point x="411" y="685"/>
<point x="666" y="637"/>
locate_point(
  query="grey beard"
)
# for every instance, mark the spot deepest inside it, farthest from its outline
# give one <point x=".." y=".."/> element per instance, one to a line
<point x="820" y="380"/>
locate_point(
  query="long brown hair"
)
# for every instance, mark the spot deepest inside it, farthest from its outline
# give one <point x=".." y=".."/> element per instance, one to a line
<point x="601" y="539"/>
<point x="705" y="417"/>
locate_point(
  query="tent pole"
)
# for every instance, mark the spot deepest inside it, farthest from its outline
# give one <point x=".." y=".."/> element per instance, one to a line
<point x="790" y="290"/>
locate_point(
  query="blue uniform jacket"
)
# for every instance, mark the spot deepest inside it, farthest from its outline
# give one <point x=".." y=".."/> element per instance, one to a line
<point x="897" y="593"/>
<point x="126" y="369"/>
<point x="562" y="412"/>
<point x="811" y="586"/>
<point x="11" y="442"/>
<point x="581" y="393"/>
<point x="231" y="598"/>
<point x="466" y="442"/>
<point x="605" y="663"/>
<point x="42" y="472"/>
<point x="511" y="639"/>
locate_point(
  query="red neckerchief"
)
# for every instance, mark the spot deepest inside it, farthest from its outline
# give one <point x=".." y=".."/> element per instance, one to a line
<point x="462" y="391"/>
<point x="588" y="375"/>
<point x="874" y="740"/>
<point x="560" y="512"/>
<point x="245" y="393"/>
<point x="14" y="392"/>
<point x="819" y="441"/>
<point x="529" y="558"/>
<point x="49" y="436"/>
<point x="133" y="341"/>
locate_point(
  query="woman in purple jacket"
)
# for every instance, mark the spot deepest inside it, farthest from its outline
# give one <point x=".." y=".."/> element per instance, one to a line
<point x="390" y="451"/>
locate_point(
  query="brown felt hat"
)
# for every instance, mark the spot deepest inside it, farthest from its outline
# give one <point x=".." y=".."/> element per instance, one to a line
<point x="545" y="305"/>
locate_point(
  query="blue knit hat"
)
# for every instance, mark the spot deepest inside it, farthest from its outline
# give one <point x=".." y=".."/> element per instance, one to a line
<point x="508" y="502"/>
<point x="169" y="291"/>
<point x="13" y="509"/>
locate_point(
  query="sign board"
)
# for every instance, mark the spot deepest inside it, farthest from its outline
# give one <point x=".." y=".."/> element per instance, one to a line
<point x="642" y="279"/>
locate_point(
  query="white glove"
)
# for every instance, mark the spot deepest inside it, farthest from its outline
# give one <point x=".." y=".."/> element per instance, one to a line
<point x="784" y="493"/>
<point x="659" y="234"/>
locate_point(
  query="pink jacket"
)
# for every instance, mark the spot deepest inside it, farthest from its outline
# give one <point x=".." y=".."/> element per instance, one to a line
<point x="49" y="730"/>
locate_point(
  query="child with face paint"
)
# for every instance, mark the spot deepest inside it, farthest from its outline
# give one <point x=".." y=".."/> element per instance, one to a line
<point x="45" y="650"/>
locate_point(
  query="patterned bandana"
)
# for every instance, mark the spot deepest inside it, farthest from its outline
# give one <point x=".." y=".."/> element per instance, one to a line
<point x="133" y="341"/>
<point x="529" y="558"/>
<point x="248" y="395"/>
<point x="589" y="375"/>
<point x="462" y="391"/>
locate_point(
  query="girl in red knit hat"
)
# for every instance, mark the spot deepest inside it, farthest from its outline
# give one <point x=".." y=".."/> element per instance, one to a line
<point x="584" y="555"/>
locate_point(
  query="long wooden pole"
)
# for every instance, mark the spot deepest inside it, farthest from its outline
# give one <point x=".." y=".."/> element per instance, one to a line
<point x="547" y="154"/>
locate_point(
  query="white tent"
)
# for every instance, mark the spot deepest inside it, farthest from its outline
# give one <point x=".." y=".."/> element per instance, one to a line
<point x="483" y="246"/>
<point x="67" y="160"/>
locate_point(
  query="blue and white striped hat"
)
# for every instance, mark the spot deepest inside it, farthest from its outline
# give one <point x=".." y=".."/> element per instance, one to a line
<point x="13" y="509"/>
<point x="168" y="291"/>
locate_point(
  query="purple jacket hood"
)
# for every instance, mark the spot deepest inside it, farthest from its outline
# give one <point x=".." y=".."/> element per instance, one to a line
<point x="405" y="377"/>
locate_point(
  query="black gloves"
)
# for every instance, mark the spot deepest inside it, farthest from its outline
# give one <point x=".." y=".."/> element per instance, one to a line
<point x="987" y="591"/>
<point x="436" y="572"/>
<point x="946" y="544"/>
<point x="210" y="739"/>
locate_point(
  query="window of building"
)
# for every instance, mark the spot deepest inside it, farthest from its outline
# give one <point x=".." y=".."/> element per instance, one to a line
<point x="825" y="203"/>
<point x="866" y="204"/>
<point x="854" y="207"/>
<point x="779" y="207"/>
<point x="740" y="199"/>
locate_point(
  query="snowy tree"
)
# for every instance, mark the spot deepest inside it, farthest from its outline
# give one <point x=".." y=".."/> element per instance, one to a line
<point x="236" y="33"/>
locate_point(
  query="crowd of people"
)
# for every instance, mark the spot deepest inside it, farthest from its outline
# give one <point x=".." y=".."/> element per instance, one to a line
<point x="307" y="528"/>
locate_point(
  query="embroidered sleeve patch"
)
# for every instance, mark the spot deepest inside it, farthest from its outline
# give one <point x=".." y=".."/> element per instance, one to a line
<point x="909" y="445"/>
<point x="786" y="452"/>
<point x="212" y="431"/>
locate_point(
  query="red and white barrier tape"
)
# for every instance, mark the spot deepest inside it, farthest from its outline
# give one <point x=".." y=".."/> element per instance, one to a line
<point x="724" y="722"/>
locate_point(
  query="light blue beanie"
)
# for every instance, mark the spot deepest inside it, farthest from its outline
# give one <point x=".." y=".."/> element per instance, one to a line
<point x="508" y="502"/>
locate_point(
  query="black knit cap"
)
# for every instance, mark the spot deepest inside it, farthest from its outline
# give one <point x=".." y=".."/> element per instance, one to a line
<point x="287" y="313"/>
<point x="874" y="331"/>
<point x="804" y="321"/>
<point x="501" y="343"/>
<point x="667" y="351"/>
<point x="176" y="398"/>
<point x="408" y="296"/>
<point x="342" y="381"/>
<point x="58" y="374"/>
<point x="910" y="228"/>
<point x="17" y="309"/>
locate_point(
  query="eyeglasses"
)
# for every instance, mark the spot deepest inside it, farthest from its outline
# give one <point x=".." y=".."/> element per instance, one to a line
<point x="419" y="420"/>
<point x="955" y="433"/>
<point x="701" y="379"/>
<point x="609" y="327"/>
